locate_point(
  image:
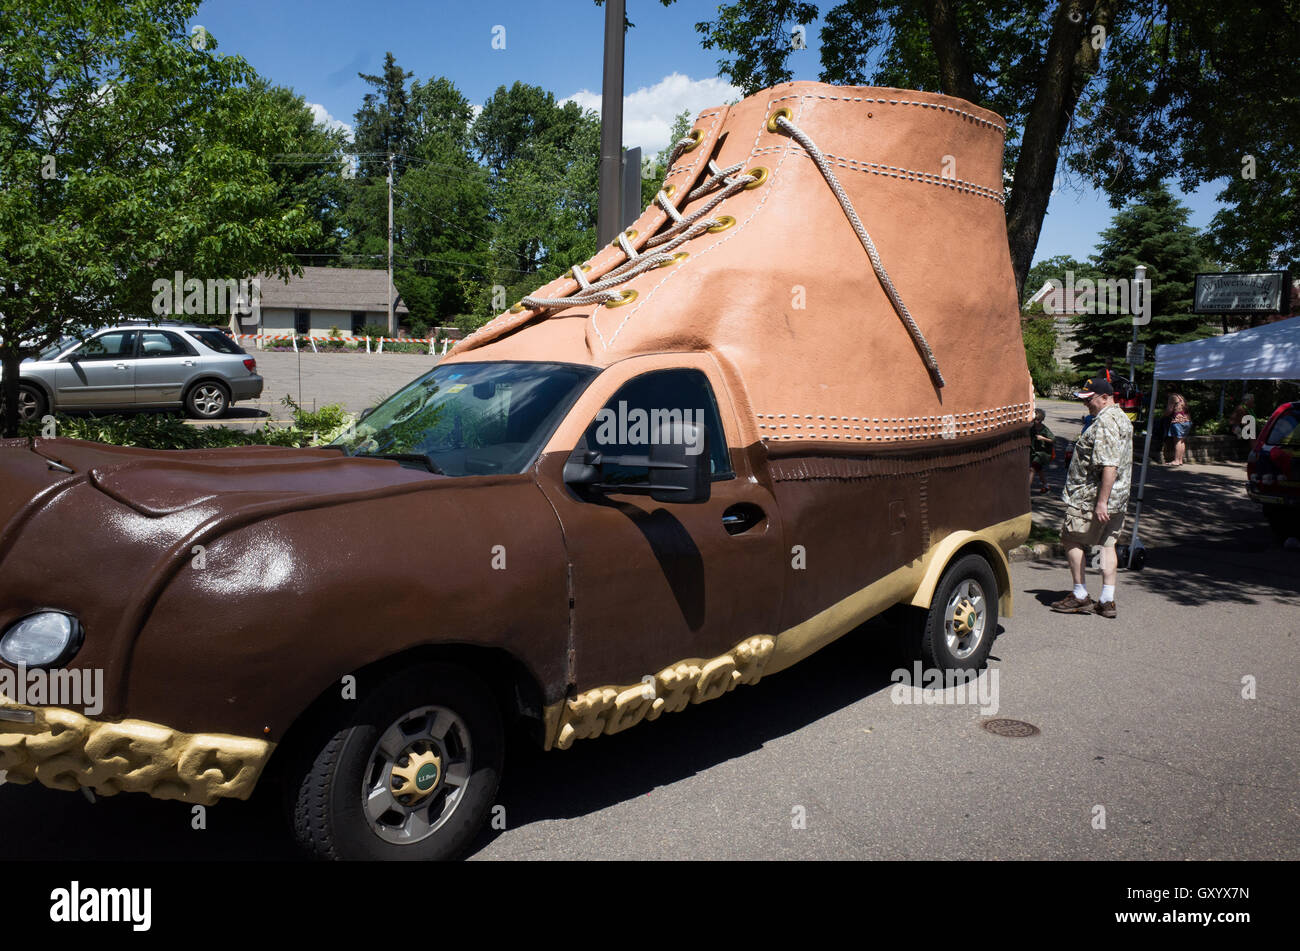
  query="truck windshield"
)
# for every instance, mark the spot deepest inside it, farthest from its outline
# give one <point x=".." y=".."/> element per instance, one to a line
<point x="470" y="418"/>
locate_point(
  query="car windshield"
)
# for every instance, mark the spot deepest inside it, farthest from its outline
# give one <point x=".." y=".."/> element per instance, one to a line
<point x="54" y="349"/>
<point x="470" y="418"/>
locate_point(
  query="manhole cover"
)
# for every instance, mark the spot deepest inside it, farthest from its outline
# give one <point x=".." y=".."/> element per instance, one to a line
<point x="1012" y="728"/>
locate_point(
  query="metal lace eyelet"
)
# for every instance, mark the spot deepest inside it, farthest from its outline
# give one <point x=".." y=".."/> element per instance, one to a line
<point x="630" y="234"/>
<point x="670" y="190"/>
<point x="760" y="174"/>
<point x="518" y="308"/>
<point x="780" y="113"/>
<point x="626" y="297"/>
<point x="677" y="258"/>
<point x="724" y="222"/>
<point x="698" y="136"/>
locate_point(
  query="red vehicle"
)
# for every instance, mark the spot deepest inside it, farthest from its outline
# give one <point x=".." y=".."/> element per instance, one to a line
<point x="1272" y="478"/>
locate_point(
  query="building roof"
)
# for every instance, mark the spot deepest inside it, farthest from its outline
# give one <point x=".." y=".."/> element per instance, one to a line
<point x="332" y="288"/>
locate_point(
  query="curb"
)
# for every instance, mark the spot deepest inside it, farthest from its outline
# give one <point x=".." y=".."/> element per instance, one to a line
<point x="1040" y="552"/>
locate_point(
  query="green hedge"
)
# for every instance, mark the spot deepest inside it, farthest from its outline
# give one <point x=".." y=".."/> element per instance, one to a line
<point x="170" y="431"/>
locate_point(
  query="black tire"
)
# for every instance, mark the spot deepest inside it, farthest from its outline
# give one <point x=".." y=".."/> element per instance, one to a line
<point x="207" y="399"/>
<point x="32" y="403"/>
<point x="325" y="787"/>
<point x="930" y="628"/>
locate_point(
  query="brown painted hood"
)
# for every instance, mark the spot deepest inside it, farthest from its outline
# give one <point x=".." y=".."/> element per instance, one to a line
<point x="106" y="540"/>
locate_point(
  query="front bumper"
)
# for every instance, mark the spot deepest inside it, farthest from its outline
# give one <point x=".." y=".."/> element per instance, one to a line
<point x="65" y="750"/>
<point x="249" y="388"/>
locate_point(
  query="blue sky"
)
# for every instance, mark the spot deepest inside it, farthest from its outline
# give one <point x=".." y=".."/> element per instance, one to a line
<point x="318" y="46"/>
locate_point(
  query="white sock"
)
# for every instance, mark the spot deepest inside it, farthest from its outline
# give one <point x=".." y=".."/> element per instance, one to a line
<point x="1081" y="591"/>
<point x="1107" y="593"/>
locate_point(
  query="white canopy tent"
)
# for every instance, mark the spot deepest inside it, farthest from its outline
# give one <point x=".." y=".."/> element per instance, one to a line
<point x="1270" y="352"/>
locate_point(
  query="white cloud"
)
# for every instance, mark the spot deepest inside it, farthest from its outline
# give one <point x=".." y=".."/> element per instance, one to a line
<point x="648" y="113"/>
<point x="321" y="115"/>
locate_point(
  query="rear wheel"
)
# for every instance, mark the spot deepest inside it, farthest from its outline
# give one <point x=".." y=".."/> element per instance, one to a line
<point x="412" y="776"/>
<point x="207" y="400"/>
<point x="956" y="632"/>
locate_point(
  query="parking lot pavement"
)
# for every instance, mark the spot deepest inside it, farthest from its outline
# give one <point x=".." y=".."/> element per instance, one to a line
<point x="356" y="380"/>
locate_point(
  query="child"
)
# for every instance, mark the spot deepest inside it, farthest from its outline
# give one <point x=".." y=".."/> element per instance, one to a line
<point x="1041" y="451"/>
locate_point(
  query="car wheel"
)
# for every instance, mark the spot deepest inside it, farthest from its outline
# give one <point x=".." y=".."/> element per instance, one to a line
<point x="956" y="632"/>
<point x="207" y="400"/>
<point x="32" y="404"/>
<point x="412" y="776"/>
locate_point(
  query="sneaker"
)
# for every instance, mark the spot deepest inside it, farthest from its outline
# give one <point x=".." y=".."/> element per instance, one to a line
<point x="1072" y="605"/>
<point x="1106" y="609"/>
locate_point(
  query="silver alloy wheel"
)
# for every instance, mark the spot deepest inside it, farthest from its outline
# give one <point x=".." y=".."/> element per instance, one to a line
<point x="209" y="400"/>
<point x="26" y="405"/>
<point x="417" y="775"/>
<point x="964" y="618"/>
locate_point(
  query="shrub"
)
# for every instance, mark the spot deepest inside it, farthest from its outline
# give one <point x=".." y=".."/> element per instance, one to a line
<point x="372" y="330"/>
<point x="170" y="431"/>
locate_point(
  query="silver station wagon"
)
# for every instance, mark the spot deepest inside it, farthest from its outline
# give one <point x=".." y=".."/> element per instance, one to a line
<point x="140" y="366"/>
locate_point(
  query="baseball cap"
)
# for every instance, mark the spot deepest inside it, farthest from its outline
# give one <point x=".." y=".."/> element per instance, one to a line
<point x="1094" y="386"/>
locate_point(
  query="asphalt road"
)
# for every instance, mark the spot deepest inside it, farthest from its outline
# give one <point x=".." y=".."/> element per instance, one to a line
<point x="1142" y="717"/>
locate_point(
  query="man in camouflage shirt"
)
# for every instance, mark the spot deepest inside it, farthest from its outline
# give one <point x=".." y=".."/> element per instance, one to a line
<point x="1096" y="492"/>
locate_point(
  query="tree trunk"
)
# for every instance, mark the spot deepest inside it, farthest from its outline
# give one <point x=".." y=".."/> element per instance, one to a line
<point x="11" y="362"/>
<point x="1071" y="58"/>
<point x="955" y="76"/>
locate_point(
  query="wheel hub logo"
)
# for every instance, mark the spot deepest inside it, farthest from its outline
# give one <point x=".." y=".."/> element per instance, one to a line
<point x="426" y="777"/>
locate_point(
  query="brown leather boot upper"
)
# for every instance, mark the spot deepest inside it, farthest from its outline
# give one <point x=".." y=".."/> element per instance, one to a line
<point x="785" y="297"/>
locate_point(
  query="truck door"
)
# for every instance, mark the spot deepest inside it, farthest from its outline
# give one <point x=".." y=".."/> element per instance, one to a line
<point x="654" y="583"/>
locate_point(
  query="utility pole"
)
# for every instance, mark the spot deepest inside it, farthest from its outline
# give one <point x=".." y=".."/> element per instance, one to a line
<point x="392" y="331"/>
<point x="609" y="219"/>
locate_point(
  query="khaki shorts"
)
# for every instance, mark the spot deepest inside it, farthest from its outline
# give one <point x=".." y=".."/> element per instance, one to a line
<point x="1082" y="530"/>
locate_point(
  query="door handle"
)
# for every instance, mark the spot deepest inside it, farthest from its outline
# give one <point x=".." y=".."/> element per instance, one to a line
<point x="742" y="517"/>
<point x="188" y="363"/>
<point x="121" y="366"/>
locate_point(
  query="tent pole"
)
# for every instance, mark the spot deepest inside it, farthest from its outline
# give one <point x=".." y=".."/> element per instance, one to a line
<point x="1146" y="456"/>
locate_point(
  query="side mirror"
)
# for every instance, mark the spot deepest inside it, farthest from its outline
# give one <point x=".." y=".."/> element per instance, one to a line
<point x="679" y="470"/>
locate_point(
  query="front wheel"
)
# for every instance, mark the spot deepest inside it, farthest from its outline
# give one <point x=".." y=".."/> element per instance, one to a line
<point x="31" y="403"/>
<point x="412" y="776"/>
<point x="957" y="631"/>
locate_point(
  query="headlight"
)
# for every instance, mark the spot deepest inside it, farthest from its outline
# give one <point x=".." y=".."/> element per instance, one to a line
<point x="41" y="640"/>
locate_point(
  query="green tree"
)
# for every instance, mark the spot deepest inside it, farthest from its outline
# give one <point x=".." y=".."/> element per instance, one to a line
<point x="442" y="217"/>
<point x="313" y="171"/>
<point x="1126" y="93"/>
<point x="1204" y="91"/>
<point x="125" y="156"/>
<point x="1153" y="232"/>
<point x="543" y="158"/>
